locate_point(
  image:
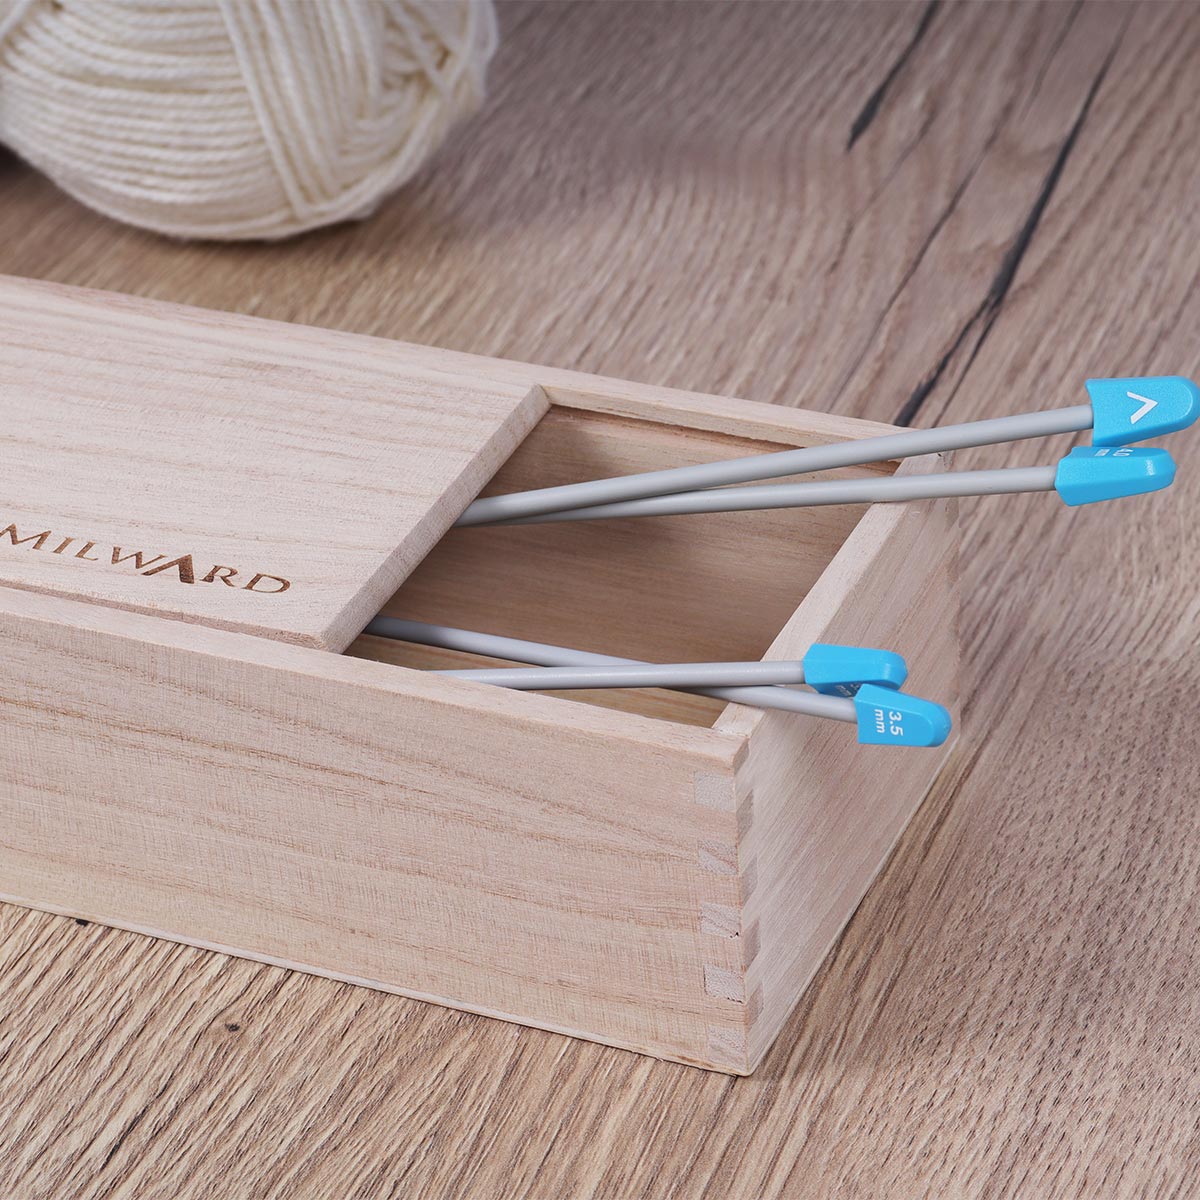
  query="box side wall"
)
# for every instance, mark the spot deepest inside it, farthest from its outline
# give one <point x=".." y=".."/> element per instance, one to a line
<point x="513" y="855"/>
<point x="820" y="813"/>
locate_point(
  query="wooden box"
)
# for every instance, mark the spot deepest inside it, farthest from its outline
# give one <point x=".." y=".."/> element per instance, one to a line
<point x="198" y="514"/>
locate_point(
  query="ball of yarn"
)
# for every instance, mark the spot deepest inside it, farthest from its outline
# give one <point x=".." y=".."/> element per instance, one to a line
<point x="236" y="118"/>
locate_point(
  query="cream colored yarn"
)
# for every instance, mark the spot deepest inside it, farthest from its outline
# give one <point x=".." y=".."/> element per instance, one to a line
<point x="236" y="118"/>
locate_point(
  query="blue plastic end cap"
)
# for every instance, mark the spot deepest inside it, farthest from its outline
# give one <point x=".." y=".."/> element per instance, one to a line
<point x="842" y="670"/>
<point x="888" y="718"/>
<point x="1091" y="473"/>
<point x="1135" y="410"/>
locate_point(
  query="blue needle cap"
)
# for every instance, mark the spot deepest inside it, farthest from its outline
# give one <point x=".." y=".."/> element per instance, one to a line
<point x="842" y="670"/>
<point x="887" y="718"/>
<point x="1091" y="473"/>
<point x="1135" y="410"/>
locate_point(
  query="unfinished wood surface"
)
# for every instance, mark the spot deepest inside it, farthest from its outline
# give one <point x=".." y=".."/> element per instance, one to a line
<point x="812" y="839"/>
<point x="228" y="471"/>
<point x="451" y="842"/>
<point x="936" y="212"/>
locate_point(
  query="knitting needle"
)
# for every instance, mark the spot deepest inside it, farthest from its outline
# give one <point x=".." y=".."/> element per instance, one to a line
<point x="1120" y="411"/>
<point x="637" y="675"/>
<point x="828" y="669"/>
<point x="883" y="716"/>
<point x="491" y="645"/>
<point x="1084" y="476"/>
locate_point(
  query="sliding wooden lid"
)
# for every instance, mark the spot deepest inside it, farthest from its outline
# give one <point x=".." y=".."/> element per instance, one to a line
<point x="270" y="478"/>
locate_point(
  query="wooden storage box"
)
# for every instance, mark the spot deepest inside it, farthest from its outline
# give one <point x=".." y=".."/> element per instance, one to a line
<point x="200" y="512"/>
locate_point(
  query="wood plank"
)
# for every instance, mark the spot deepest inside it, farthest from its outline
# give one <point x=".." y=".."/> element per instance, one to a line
<point x="428" y="837"/>
<point x="1013" y="1009"/>
<point x="814" y="839"/>
<point x="170" y="461"/>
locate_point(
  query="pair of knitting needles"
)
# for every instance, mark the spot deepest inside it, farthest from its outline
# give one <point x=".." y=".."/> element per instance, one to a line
<point x="850" y="683"/>
<point x="1120" y="411"/>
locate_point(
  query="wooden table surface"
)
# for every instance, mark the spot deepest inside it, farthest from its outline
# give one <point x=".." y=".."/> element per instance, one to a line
<point x="915" y="213"/>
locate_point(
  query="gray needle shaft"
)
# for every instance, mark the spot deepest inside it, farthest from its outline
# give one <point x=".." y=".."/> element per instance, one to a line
<point x="887" y="490"/>
<point x="783" y="462"/>
<point x="652" y="675"/>
<point x="516" y="650"/>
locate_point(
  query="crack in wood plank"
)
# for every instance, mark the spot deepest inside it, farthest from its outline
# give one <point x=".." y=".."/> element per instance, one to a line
<point x="993" y="301"/>
<point x="870" y="110"/>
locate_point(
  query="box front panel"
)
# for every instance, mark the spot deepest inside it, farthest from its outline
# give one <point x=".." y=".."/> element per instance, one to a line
<point x="514" y="855"/>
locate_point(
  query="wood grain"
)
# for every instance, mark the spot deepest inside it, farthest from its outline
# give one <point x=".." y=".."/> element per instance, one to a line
<point x="673" y="196"/>
<point x="368" y="823"/>
<point x="894" y="583"/>
<point x="282" y="481"/>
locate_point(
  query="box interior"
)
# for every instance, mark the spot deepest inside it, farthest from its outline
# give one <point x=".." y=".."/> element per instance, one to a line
<point x="663" y="589"/>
